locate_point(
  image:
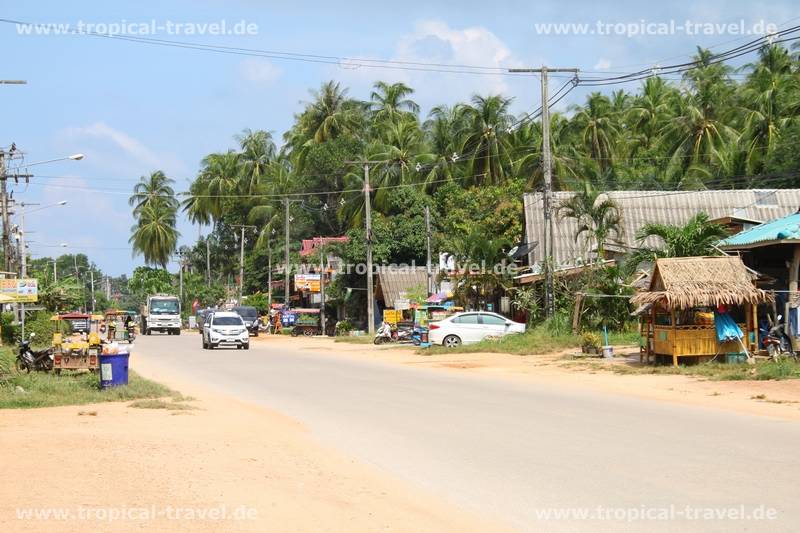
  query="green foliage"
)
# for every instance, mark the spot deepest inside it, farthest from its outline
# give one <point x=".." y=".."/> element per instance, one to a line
<point x="66" y="295"/>
<point x="258" y="300"/>
<point x="146" y="281"/>
<point x="344" y="327"/>
<point x="590" y="339"/>
<point x="155" y="207"/>
<point x="70" y="388"/>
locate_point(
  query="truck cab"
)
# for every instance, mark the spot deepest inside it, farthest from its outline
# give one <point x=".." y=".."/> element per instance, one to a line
<point x="162" y="313"/>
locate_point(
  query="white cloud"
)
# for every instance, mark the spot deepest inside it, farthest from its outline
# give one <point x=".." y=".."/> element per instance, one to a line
<point x="259" y="70"/>
<point x="118" y="151"/>
<point x="602" y="64"/>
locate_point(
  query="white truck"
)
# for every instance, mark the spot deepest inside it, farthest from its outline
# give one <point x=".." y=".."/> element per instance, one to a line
<point x="162" y="312"/>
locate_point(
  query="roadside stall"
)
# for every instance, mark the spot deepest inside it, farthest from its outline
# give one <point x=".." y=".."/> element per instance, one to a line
<point x="78" y="346"/>
<point x="119" y="326"/>
<point x="304" y="321"/>
<point x="700" y="307"/>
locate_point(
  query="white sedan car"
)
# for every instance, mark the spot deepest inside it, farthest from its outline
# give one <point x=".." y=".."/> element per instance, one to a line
<point x="471" y="327"/>
<point x="225" y="328"/>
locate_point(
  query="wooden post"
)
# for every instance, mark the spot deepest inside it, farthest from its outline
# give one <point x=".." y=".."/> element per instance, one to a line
<point x="576" y="314"/>
<point x="793" y="268"/>
<point x="674" y="334"/>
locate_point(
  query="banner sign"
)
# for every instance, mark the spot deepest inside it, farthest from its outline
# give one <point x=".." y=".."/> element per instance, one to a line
<point x="20" y="290"/>
<point x="306" y="282"/>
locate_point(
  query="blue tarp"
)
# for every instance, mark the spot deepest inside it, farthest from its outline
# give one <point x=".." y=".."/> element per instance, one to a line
<point x="727" y="328"/>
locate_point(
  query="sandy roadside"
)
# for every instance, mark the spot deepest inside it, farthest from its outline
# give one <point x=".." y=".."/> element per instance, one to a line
<point x="226" y="456"/>
<point x="779" y="399"/>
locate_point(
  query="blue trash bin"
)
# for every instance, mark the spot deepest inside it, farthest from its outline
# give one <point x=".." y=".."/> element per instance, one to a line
<point x="113" y="370"/>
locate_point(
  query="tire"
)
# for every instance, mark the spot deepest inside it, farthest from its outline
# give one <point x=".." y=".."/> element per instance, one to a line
<point x="255" y="334"/>
<point x="294" y="332"/>
<point x="21" y="366"/>
<point x="246" y="346"/>
<point x="238" y="346"/>
<point x="205" y="346"/>
<point x="148" y="332"/>
<point x="177" y="331"/>
<point x="773" y="351"/>
<point x="211" y="346"/>
<point x="451" y="341"/>
<point x="308" y="332"/>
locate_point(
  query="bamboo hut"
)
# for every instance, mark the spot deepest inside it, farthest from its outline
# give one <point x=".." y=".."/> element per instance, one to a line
<point x="681" y="301"/>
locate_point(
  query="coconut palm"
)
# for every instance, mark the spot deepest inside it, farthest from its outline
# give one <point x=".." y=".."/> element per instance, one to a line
<point x="484" y="139"/>
<point x="650" y="111"/>
<point x="388" y="102"/>
<point x="598" y="216"/>
<point x="770" y="100"/>
<point x="258" y="151"/>
<point x="596" y="124"/>
<point x="152" y="189"/>
<point x="155" y="235"/>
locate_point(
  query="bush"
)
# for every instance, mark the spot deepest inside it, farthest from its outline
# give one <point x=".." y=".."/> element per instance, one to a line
<point x="343" y="327"/>
<point x="591" y="340"/>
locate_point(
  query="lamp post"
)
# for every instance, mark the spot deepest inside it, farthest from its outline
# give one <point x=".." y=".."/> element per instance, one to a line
<point x="23" y="273"/>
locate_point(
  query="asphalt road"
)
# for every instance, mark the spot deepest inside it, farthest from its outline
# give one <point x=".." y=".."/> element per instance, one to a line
<point x="520" y="452"/>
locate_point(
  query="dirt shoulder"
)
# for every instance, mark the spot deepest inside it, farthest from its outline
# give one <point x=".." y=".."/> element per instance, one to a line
<point x="260" y="469"/>
<point x="779" y="399"/>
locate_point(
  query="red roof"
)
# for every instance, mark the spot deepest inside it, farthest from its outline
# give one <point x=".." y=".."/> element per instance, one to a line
<point x="309" y="245"/>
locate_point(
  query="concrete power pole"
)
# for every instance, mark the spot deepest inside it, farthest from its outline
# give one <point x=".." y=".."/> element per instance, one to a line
<point x="428" y="268"/>
<point x="370" y="290"/>
<point x="4" y="207"/>
<point x="547" y="166"/>
<point x="241" y="259"/>
<point x="91" y="278"/>
<point x="322" y="286"/>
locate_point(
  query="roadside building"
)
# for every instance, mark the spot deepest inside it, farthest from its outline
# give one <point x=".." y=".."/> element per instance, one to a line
<point x="737" y="209"/>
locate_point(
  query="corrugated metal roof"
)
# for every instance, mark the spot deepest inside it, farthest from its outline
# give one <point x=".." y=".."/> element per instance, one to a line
<point x="782" y="229"/>
<point x="395" y="281"/>
<point x="666" y="207"/>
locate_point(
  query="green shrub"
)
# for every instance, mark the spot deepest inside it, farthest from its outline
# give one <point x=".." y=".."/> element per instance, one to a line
<point x="590" y="339"/>
<point x="343" y="327"/>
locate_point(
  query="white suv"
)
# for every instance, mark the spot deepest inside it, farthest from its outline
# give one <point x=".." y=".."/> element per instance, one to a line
<point x="224" y="327"/>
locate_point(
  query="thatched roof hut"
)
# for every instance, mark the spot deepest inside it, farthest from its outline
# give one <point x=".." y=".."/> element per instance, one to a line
<point x="686" y="282"/>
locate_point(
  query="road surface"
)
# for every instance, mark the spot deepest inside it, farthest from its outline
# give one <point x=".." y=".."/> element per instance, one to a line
<point x="535" y="457"/>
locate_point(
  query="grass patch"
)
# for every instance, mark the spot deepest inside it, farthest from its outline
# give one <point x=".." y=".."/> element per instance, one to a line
<point x="69" y="388"/>
<point x="161" y="404"/>
<point x="537" y="340"/>
<point x="762" y="370"/>
<point x="362" y="339"/>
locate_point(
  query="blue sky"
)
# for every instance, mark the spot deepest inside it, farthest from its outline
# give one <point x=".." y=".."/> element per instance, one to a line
<point x="133" y="108"/>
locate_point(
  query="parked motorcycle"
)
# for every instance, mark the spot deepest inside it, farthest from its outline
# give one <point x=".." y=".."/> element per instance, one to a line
<point x="28" y="359"/>
<point x="383" y="334"/>
<point x="777" y="342"/>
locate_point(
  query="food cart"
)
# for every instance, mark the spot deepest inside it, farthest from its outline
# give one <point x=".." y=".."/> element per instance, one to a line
<point x="700" y="307"/>
<point x="120" y="332"/>
<point x="72" y="350"/>
<point x="306" y="321"/>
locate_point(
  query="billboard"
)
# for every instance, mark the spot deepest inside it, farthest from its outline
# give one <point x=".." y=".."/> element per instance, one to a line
<point x="19" y="290"/>
<point x="306" y="282"/>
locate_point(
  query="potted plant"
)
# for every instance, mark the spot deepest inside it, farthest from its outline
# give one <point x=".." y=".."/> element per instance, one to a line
<point x="591" y="343"/>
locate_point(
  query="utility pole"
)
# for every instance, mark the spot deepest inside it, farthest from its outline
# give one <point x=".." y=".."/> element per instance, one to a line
<point x="241" y="259"/>
<point x="55" y="272"/>
<point x="322" y="285"/>
<point x="269" y="273"/>
<point x="208" y="260"/>
<point x="91" y="277"/>
<point x="428" y="268"/>
<point x="547" y="198"/>
<point x="23" y="272"/>
<point x="4" y="207"/>
<point x="370" y="290"/>
<point x="286" y="221"/>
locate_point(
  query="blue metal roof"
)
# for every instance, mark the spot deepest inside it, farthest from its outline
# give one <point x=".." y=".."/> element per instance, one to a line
<point x="781" y="229"/>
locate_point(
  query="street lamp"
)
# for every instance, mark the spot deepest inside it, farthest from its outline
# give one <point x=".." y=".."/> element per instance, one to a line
<point x="73" y="157"/>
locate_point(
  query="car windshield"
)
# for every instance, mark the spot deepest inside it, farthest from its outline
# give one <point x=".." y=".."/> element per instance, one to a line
<point x="227" y="321"/>
<point x="164" y="307"/>
<point x="246" y="312"/>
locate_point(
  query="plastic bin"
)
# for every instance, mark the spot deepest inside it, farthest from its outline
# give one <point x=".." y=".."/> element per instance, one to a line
<point x="113" y="370"/>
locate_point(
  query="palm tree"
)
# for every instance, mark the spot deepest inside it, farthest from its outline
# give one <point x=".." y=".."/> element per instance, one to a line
<point x="697" y="237"/>
<point x="441" y="132"/>
<point x="484" y="139"/>
<point x="650" y="111"/>
<point x="477" y="255"/>
<point x="698" y="134"/>
<point x="596" y="124"/>
<point x="389" y="101"/>
<point x="258" y="151"/>
<point x="155" y="235"/>
<point x="152" y="189"/>
<point x="770" y="100"/>
<point x="597" y="215"/>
